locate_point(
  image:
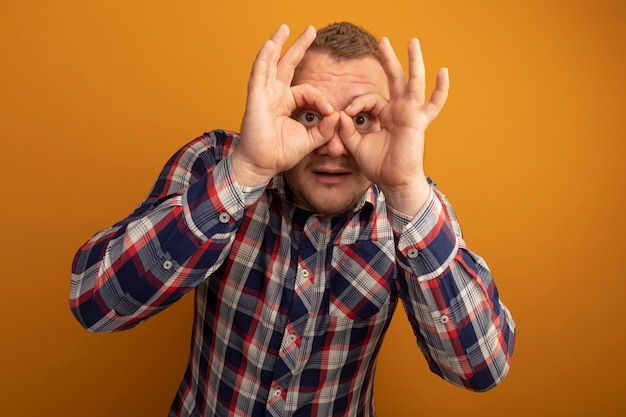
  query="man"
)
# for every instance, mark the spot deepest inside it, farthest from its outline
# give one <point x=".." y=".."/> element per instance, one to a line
<point x="299" y="236"/>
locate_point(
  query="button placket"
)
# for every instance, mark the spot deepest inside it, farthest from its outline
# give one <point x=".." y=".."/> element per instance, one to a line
<point x="274" y="395"/>
<point x="289" y="341"/>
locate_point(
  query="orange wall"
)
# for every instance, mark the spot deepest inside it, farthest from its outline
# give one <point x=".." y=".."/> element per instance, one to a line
<point x="96" y="95"/>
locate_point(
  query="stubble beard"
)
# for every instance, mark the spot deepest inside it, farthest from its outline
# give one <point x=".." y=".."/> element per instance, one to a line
<point x="303" y="200"/>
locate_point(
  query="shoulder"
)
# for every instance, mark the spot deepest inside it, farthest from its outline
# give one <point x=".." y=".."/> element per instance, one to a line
<point x="205" y="150"/>
<point x="218" y="142"/>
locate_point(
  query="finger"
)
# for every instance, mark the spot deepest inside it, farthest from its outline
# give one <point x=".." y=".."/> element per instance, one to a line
<point x="440" y="94"/>
<point x="280" y="35"/>
<point x="348" y="133"/>
<point x="393" y="68"/>
<point x="277" y="41"/>
<point x="293" y="55"/>
<point x="372" y="103"/>
<point x="306" y="95"/>
<point x="264" y="63"/>
<point x="327" y="127"/>
<point x="417" y="71"/>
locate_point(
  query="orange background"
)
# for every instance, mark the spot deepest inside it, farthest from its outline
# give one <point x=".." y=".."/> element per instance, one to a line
<point x="96" y="95"/>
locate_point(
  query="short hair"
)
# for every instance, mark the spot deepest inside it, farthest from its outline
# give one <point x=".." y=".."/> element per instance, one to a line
<point x="346" y="40"/>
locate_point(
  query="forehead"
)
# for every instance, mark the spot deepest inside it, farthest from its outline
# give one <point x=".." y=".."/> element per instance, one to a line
<point x="342" y="78"/>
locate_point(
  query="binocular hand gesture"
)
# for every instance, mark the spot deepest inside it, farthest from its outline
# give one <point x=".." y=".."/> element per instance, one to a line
<point x="272" y="141"/>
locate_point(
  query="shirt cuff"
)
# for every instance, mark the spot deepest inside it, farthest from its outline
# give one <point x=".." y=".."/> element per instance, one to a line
<point x="427" y="242"/>
<point x="250" y="194"/>
<point x="215" y="202"/>
<point x="400" y="221"/>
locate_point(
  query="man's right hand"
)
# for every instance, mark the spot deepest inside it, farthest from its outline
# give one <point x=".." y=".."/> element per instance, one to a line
<point x="271" y="141"/>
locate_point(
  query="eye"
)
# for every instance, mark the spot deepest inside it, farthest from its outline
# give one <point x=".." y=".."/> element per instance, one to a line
<point x="308" y="118"/>
<point x="363" y="121"/>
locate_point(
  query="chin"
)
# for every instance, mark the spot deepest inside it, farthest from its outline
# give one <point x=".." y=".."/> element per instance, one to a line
<point x="331" y="210"/>
<point x="329" y="203"/>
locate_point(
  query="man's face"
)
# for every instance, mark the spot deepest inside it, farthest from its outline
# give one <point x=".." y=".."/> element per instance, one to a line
<point x="328" y="180"/>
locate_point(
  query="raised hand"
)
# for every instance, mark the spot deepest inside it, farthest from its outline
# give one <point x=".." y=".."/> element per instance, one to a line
<point x="271" y="141"/>
<point x="392" y="157"/>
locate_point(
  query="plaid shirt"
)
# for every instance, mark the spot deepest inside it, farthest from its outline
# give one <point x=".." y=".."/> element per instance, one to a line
<point x="291" y="307"/>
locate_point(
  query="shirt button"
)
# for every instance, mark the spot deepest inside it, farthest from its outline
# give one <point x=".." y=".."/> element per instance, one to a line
<point x="444" y="319"/>
<point x="291" y="338"/>
<point x="277" y="393"/>
<point x="305" y="273"/>
<point x="412" y="253"/>
<point x="224" y="217"/>
<point x="167" y="265"/>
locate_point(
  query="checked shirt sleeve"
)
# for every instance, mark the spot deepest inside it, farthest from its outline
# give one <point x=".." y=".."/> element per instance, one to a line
<point x="169" y="245"/>
<point x="464" y="330"/>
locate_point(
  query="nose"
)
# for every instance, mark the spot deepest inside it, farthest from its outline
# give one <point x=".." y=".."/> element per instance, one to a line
<point x="334" y="147"/>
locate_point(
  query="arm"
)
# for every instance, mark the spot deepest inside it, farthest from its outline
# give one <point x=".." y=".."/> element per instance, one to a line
<point x="464" y="330"/>
<point x="452" y="302"/>
<point x="146" y="262"/>
<point x="182" y="233"/>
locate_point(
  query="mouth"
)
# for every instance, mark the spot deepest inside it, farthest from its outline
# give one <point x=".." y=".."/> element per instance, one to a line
<point x="330" y="176"/>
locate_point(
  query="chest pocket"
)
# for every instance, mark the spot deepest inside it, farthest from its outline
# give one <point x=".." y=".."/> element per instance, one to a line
<point x="362" y="279"/>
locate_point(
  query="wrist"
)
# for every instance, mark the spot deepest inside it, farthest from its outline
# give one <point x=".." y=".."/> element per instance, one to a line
<point x="408" y="199"/>
<point x="248" y="175"/>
